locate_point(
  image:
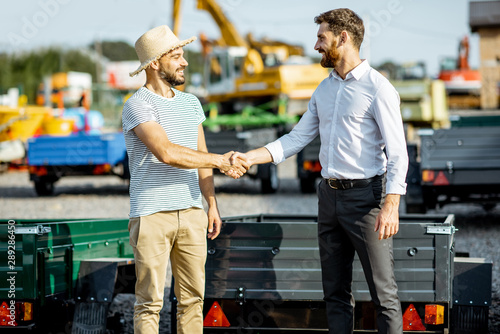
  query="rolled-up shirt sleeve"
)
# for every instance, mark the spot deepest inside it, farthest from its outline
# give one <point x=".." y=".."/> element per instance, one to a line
<point x="302" y="134"/>
<point x="386" y="106"/>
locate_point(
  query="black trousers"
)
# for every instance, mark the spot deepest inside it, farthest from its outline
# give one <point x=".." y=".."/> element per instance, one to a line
<point x="346" y="222"/>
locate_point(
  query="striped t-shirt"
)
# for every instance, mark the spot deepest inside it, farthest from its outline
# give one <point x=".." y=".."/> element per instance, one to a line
<point x="156" y="186"/>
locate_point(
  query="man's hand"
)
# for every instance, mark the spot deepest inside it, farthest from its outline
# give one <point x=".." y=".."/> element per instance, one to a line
<point x="253" y="157"/>
<point x="214" y="222"/>
<point x="238" y="156"/>
<point x="387" y="223"/>
<point x="233" y="166"/>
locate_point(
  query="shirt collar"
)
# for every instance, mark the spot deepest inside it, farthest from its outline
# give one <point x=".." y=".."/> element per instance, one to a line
<point x="355" y="73"/>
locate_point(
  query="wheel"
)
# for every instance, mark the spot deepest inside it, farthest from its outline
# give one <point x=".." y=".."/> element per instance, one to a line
<point x="430" y="198"/>
<point x="415" y="208"/>
<point x="270" y="181"/>
<point x="115" y="324"/>
<point x="489" y="206"/>
<point x="308" y="185"/>
<point x="44" y="187"/>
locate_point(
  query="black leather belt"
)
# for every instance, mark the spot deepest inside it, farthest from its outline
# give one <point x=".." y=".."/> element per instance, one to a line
<point x="341" y="184"/>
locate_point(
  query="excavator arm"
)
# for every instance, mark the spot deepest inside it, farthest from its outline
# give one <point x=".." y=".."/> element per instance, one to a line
<point x="176" y="17"/>
<point x="230" y="36"/>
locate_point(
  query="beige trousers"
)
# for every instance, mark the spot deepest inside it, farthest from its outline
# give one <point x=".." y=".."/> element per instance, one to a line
<point x="182" y="237"/>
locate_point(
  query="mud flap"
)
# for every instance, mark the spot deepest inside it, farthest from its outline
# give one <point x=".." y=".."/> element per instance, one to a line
<point x="98" y="281"/>
<point x="90" y="318"/>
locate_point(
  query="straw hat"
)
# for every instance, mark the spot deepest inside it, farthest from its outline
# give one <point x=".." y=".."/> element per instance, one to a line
<point x="154" y="44"/>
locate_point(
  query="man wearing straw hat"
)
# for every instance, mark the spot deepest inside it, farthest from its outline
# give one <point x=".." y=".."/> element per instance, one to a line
<point x="170" y="172"/>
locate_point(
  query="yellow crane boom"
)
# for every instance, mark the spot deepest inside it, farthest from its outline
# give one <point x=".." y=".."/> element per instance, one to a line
<point x="230" y="36"/>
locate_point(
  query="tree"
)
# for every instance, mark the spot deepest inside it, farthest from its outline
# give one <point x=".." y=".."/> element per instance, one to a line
<point x="117" y="51"/>
<point x="27" y="70"/>
<point x="390" y="68"/>
<point x="5" y="71"/>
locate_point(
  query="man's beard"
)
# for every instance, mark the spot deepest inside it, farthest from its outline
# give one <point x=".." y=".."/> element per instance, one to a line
<point x="171" y="78"/>
<point x="330" y="59"/>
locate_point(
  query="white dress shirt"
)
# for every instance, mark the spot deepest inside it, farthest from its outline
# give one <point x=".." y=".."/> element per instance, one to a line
<point x="356" y="119"/>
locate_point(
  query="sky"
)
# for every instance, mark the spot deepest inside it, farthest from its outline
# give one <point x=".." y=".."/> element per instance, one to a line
<point x="395" y="30"/>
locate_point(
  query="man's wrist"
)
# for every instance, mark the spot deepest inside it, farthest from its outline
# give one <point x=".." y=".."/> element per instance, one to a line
<point x="212" y="202"/>
<point x="392" y="199"/>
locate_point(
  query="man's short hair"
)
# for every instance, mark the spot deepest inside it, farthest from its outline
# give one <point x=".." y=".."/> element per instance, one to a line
<point x="344" y="19"/>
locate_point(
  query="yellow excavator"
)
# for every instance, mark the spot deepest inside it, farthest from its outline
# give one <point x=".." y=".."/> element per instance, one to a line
<point x="243" y="71"/>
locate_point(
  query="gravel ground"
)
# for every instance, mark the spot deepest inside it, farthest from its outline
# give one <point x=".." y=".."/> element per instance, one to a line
<point x="107" y="197"/>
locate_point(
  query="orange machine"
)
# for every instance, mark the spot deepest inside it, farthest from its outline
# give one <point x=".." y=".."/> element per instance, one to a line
<point x="243" y="72"/>
<point x="462" y="83"/>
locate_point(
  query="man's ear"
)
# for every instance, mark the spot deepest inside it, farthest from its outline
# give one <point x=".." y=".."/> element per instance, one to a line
<point x="155" y="65"/>
<point x="344" y="37"/>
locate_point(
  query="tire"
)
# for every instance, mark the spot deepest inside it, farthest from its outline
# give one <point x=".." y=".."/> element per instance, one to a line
<point x="270" y="183"/>
<point x="308" y="185"/>
<point x="430" y="198"/>
<point x="44" y="187"/>
<point x="415" y="208"/>
<point x="489" y="206"/>
<point x="116" y="323"/>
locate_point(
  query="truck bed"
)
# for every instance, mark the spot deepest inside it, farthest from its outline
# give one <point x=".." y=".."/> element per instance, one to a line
<point x="77" y="150"/>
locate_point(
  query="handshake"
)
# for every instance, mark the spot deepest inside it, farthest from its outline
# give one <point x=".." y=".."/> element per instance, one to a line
<point x="234" y="164"/>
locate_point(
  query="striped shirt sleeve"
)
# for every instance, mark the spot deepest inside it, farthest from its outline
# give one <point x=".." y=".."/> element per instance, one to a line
<point x="200" y="114"/>
<point x="135" y="112"/>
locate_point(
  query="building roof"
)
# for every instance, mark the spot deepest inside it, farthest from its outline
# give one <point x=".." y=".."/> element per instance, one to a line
<point x="484" y="14"/>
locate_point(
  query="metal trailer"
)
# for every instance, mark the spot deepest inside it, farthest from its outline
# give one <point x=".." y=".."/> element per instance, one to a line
<point x="61" y="276"/>
<point x="262" y="273"/>
<point x="263" y="276"/>
<point x="462" y="163"/>
<point x="52" y="157"/>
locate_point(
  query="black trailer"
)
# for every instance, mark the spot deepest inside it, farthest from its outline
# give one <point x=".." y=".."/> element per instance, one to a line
<point x="462" y="163"/>
<point x="242" y="141"/>
<point x="263" y="276"/>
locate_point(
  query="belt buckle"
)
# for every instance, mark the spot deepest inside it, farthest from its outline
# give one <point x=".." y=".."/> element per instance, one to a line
<point x="331" y="185"/>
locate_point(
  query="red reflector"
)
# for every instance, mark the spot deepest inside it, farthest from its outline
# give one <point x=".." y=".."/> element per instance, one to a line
<point x="8" y="315"/>
<point x="216" y="317"/>
<point x="441" y="180"/>
<point x="101" y="169"/>
<point x="313" y="166"/>
<point x="411" y="320"/>
<point x="434" y="314"/>
<point x="317" y="166"/>
<point x="38" y="170"/>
